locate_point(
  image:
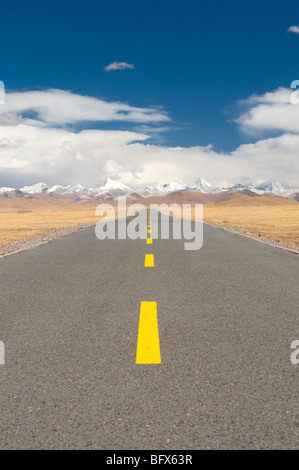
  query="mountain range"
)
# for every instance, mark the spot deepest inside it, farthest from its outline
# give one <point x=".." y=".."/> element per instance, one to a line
<point x="113" y="189"/>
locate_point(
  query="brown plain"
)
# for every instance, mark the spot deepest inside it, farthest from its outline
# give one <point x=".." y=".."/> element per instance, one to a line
<point x="271" y="217"/>
<point x="29" y="218"/>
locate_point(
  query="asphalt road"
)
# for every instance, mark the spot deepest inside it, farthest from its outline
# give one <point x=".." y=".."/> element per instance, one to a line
<point x="227" y="314"/>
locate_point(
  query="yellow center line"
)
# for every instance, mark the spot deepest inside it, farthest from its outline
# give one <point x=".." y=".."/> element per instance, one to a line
<point x="149" y="261"/>
<point x="149" y="241"/>
<point x="148" y="345"/>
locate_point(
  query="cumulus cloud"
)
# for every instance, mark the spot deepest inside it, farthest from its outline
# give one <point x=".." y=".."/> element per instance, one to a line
<point x="59" y="107"/>
<point x="29" y="154"/>
<point x="294" y="29"/>
<point x="118" y="66"/>
<point x="32" y="150"/>
<point x="273" y="111"/>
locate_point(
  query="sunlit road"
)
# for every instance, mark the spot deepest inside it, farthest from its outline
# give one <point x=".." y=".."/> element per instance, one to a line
<point x="227" y="314"/>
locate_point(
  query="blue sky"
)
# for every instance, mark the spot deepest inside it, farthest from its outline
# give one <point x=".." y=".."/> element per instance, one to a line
<point x="193" y="60"/>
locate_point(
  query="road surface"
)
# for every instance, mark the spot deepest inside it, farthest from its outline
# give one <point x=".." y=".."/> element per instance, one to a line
<point x="227" y="315"/>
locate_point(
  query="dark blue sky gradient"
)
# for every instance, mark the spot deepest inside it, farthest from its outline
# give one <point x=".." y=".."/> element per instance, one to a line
<point x="196" y="59"/>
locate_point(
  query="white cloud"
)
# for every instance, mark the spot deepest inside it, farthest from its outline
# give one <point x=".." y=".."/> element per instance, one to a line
<point x="272" y="111"/>
<point x="59" y="107"/>
<point x="32" y="150"/>
<point x="294" y="29"/>
<point x="118" y="66"/>
<point x="29" y="154"/>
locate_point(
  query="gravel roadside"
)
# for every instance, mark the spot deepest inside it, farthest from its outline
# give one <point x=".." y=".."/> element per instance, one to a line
<point x="29" y="242"/>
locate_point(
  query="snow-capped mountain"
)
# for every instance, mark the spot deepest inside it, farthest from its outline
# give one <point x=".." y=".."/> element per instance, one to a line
<point x="238" y="186"/>
<point x="6" y="190"/>
<point x="110" y="190"/>
<point x="35" y="189"/>
<point x="113" y="189"/>
<point x="276" y="188"/>
<point x="203" y="186"/>
<point x="164" y="189"/>
<point x="174" y="186"/>
<point x="111" y="185"/>
<point x="57" y="189"/>
<point x="199" y="185"/>
<point x="273" y="187"/>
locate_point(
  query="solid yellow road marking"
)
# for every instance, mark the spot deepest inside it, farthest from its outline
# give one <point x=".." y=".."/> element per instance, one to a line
<point x="149" y="241"/>
<point x="149" y="261"/>
<point x="148" y="346"/>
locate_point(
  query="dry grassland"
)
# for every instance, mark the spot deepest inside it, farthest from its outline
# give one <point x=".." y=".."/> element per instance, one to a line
<point x="23" y="218"/>
<point x="274" y="218"/>
<point x="270" y="217"/>
<point x="277" y="223"/>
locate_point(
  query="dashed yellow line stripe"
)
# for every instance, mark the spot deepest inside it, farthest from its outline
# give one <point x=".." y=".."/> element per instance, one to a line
<point x="149" y="261"/>
<point x="149" y="241"/>
<point x="148" y="345"/>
